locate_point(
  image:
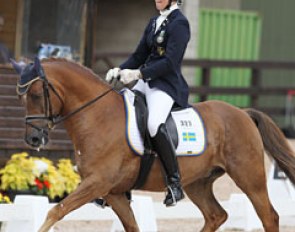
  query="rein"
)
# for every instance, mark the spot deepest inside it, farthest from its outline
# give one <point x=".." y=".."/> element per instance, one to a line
<point x="61" y="119"/>
<point x="48" y="116"/>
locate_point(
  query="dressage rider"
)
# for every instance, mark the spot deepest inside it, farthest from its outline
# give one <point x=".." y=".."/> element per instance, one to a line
<point x="156" y="64"/>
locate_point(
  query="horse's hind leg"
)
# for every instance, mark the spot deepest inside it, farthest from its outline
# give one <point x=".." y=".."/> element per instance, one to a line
<point x="121" y="206"/>
<point x="200" y="193"/>
<point x="249" y="175"/>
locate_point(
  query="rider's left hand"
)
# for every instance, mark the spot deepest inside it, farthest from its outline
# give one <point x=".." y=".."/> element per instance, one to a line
<point x="129" y="75"/>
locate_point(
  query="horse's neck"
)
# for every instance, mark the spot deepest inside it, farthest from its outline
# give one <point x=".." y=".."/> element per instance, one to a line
<point x="78" y="88"/>
<point x="95" y="122"/>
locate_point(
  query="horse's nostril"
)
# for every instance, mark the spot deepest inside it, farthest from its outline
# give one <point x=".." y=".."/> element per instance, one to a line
<point x="35" y="140"/>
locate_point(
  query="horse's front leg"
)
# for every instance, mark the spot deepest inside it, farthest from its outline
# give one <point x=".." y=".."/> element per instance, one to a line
<point x="121" y="206"/>
<point x="85" y="192"/>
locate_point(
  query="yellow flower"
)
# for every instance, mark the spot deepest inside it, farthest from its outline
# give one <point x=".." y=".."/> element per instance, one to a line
<point x="72" y="179"/>
<point x="4" y="199"/>
<point x="17" y="174"/>
<point x="21" y="171"/>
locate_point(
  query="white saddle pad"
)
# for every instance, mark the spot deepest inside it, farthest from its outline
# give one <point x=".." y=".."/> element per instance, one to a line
<point x="190" y="129"/>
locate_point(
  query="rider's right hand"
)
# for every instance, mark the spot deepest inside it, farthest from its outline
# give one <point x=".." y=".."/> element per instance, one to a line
<point x="113" y="73"/>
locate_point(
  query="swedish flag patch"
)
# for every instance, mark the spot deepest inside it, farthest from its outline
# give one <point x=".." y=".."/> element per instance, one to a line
<point x="189" y="136"/>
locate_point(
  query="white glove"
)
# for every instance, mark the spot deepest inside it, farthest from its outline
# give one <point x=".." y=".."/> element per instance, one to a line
<point x="128" y="75"/>
<point x="112" y="74"/>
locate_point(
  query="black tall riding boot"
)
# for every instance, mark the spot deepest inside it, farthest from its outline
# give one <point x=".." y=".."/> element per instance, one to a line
<point x="162" y="144"/>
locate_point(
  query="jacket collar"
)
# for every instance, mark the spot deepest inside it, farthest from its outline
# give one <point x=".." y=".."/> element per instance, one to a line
<point x="170" y="17"/>
<point x="169" y="11"/>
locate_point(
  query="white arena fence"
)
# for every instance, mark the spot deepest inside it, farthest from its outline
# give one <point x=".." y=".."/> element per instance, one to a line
<point x="27" y="213"/>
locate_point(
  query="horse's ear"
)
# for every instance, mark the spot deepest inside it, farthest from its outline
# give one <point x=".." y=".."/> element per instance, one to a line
<point x="18" y="67"/>
<point x="38" y="67"/>
<point x="37" y="63"/>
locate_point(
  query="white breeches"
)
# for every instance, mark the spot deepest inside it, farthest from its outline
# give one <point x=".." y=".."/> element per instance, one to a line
<point x="159" y="105"/>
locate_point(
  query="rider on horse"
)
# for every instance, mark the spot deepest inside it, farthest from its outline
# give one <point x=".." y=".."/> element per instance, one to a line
<point x="156" y="64"/>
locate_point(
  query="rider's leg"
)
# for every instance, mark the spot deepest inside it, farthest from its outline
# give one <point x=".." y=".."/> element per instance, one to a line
<point x="140" y="86"/>
<point x="164" y="147"/>
<point x="159" y="105"/>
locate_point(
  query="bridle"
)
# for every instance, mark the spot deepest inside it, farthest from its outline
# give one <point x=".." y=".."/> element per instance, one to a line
<point x="50" y="118"/>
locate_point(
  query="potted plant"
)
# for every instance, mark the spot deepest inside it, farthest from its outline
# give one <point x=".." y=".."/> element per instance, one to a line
<point x="38" y="176"/>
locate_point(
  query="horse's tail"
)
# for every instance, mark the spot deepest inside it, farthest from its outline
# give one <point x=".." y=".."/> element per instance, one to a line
<point x="275" y="143"/>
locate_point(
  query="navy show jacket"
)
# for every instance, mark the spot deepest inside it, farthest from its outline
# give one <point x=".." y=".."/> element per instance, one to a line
<point x="159" y="56"/>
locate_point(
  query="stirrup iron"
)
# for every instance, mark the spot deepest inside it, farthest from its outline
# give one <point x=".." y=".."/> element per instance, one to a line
<point x="174" y="202"/>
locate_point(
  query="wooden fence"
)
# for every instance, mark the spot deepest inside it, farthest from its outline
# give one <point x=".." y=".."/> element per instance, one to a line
<point x="204" y="90"/>
<point x="12" y="113"/>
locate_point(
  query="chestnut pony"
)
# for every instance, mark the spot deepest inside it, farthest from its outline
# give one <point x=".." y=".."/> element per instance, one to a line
<point x="94" y="117"/>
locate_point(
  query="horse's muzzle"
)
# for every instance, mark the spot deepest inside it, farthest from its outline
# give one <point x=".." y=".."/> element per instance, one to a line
<point x="37" y="138"/>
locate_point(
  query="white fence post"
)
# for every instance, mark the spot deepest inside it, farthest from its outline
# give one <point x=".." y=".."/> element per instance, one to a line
<point x="29" y="212"/>
<point x="34" y="214"/>
<point x="279" y="187"/>
<point x="241" y="214"/>
<point x="143" y="209"/>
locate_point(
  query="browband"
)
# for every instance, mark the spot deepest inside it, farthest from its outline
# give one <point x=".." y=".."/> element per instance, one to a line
<point x="23" y="89"/>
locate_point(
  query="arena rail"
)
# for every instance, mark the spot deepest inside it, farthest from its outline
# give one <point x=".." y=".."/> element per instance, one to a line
<point x="28" y="212"/>
<point x="207" y="65"/>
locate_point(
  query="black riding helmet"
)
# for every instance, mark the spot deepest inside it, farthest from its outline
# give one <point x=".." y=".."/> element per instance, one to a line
<point x="179" y="2"/>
